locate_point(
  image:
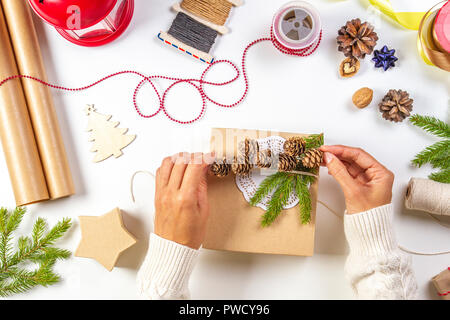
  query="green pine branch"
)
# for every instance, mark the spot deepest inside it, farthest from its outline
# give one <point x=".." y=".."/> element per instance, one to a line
<point x="438" y="154"/>
<point x="9" y="222"/>
<point x="441" y="162"/>
<point x="432" y="125"/>
<point x="15" y="276"/>
<point x="284" y="184"/>
<point x="267" y="186"/>
<point x="314" y="141"/>
<point x="304" y="197"/>
<point x="438" y="151"/>
<point x="441" y="176"/>
<point x="279" y="199"/>
<point x="22" y="280"/>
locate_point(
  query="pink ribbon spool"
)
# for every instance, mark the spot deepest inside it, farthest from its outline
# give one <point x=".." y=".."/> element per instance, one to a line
<point x="442" y="27"/>
<point x="297" y="25"/>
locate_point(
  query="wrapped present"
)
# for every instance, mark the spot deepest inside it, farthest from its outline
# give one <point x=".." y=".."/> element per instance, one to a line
<point x="235" y="225"/>
<point x="442" y="284"/>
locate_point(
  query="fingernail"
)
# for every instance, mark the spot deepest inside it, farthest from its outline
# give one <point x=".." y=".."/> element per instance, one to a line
<point x="328" y="157"/>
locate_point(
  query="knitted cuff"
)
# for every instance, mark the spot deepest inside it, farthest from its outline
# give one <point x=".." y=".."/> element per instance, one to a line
<point x="167" y="266"/>
<point x="371" y="232"/>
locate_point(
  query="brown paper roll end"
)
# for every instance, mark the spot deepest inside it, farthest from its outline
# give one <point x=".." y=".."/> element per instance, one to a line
<point x="21" y="203"/>
<point x="63" y="193"/>
<point x="28" y="191"/>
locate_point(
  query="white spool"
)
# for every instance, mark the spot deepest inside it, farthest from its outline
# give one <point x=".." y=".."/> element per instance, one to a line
<point x="429" y="196"/>
<point x="297" y="25"/>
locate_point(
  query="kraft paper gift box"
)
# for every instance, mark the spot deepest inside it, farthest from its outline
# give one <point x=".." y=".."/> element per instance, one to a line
<point x="235" y="225"/>
<point x="442" y="284"/>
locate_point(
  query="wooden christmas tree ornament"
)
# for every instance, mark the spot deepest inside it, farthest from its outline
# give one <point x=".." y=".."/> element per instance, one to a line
<point x="108" y="139"/>
<point x="104" y="238"/>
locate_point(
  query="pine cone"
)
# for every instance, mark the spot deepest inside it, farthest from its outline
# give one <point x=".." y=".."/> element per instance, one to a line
<point x="396" y="105"/>
<point x="264" y="159"/>
<point x="248" y="148"/>
<point x="286" y="162"/>
<point x="241" y="166"/>
<point x="294" y="146"/>
<point x="312" y="158"/>
<point x="356" y="39"/>
<point x="221" y="169"/>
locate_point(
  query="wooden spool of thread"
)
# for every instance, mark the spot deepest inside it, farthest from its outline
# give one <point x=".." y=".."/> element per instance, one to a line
<point x="196" y="26"/>
<point x="216" y="11"/>
<point x="429" y="196"/>
<point x="194" y="34"/>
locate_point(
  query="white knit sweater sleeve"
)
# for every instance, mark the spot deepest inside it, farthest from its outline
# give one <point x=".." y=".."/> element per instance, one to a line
<point x="165" y="272"/>
<point x="377" y="269"/>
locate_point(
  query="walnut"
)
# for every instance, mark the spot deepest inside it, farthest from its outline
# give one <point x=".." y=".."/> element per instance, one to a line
<point x="349" y="67"/>
<point x="363" y="97"/>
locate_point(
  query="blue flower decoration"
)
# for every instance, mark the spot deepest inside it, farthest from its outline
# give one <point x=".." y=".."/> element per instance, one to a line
<point x="384" y="58"/>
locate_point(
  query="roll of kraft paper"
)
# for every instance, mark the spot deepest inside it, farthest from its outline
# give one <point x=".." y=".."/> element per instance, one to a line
<point x="39" y="99"/>
<point x="429" y="196"/>
<point x="16" y="132"/>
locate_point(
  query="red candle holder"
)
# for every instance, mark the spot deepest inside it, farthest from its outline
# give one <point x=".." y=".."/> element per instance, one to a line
<point x="88" y="23"/>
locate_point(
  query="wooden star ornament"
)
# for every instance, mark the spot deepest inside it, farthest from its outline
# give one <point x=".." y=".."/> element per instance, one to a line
<point x="104" y="238"/>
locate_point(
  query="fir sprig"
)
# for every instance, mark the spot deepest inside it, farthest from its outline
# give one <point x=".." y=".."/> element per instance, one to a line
<point x="314" y="141"/>
<point x="432" y="125"/>
<point x="15" y="274"/>
<point x="279" y="199"/>
<point x="284" y="184"/>
<point x="439" y="150"/>
<point x="441" y="176"/>
<point x="438" y="154"/>
<point x="302" y="189"/>
<point x="267" y="186"/>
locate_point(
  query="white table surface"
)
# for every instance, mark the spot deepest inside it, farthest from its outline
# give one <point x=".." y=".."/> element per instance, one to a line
<point x="287" y="94"/>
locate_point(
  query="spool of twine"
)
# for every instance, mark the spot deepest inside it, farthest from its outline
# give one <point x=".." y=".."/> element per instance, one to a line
<point x="429" y="196"/>
<point x="216" y="11"/>
<point x="192" y="32"/>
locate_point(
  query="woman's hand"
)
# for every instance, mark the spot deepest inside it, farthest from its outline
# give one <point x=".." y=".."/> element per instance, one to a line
<point x="366" y="183"/>
<point x="181" y="199"/>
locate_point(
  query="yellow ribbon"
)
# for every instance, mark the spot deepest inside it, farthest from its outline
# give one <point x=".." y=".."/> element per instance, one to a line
<point x="410" y="20"/>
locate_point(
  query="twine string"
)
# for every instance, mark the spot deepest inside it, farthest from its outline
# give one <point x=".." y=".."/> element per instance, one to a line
<point x="216" y="11"/>
<point x="133" y="198"/>
<point x="303" y="173"/>
<point x="399" y="246"/>
<point x="192" y="33"/>
<point x="438" y="221"/>
<point x="428" y="195"/>
<point x="418" y="253"/>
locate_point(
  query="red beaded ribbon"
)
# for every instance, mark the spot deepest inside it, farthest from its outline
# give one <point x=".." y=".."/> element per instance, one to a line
<point x="198" y="84"/>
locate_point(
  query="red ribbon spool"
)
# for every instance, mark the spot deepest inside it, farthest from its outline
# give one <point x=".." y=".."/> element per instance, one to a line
<point x="87" y="23"/>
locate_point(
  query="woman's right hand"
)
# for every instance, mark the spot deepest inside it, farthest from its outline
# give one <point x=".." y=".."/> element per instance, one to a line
<point x="366" y="183"/>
